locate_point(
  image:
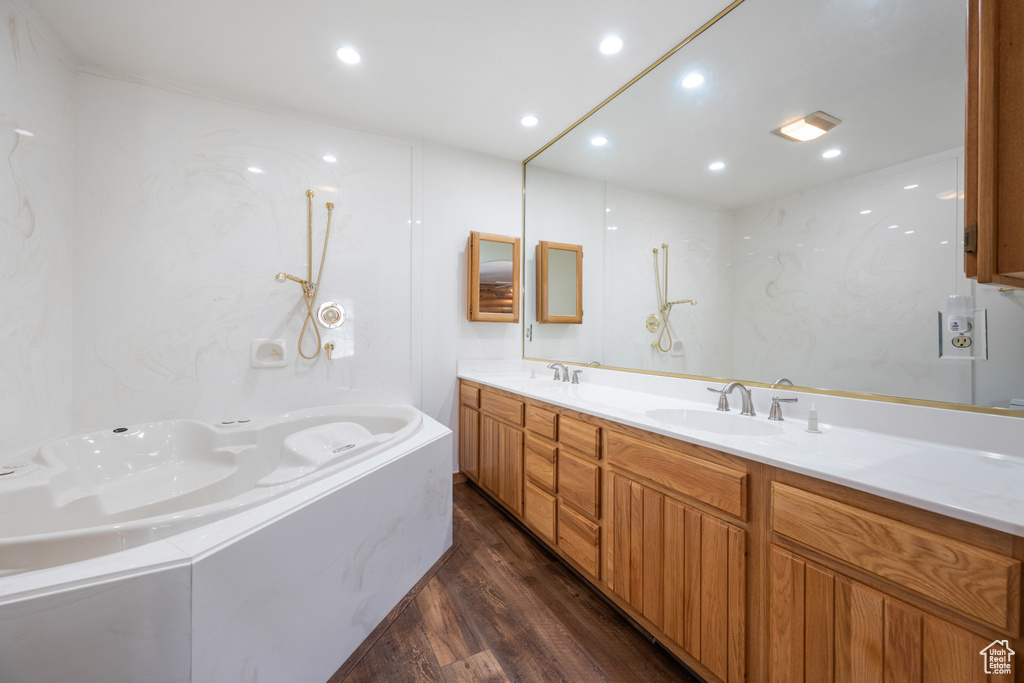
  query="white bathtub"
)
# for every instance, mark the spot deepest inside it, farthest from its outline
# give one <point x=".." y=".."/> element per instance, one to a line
<point x="187" y="551"/>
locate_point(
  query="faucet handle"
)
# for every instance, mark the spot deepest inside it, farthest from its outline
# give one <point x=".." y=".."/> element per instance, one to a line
<point x="723" y="399"/>
<point x="776" y="411"/>
<point x="576" y="376"/>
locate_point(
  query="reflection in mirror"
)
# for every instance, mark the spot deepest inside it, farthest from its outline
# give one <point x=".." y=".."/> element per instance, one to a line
<point x="493" y="278"/>
<point x="824" y="261"/>
<point x="559" y="283"/>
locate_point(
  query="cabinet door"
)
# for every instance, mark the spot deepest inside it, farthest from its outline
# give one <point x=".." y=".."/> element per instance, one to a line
<point x="469" y="442"/>
<point x="684" y="570"/>
<point x="501" y="462"/>
<point x="827" y="628"/>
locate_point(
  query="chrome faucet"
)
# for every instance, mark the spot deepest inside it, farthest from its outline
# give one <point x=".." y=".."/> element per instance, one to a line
<point x="783" y="380"/>
<point x="723" y="397"/>
<point x="564" y="376"/>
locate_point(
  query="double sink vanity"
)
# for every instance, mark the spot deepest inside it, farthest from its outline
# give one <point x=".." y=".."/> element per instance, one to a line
<point x="887" y="547"/>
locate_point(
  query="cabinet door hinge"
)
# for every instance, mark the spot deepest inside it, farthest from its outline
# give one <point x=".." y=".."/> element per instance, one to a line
<point x="971" y="239"/>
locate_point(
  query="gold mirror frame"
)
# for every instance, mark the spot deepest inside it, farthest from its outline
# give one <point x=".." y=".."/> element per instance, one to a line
<point x="810" y="390"/>
<point x="475" y="312"/>
<point x="544" y="283"/>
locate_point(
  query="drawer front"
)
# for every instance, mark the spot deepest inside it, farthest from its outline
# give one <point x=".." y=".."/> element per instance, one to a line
<point x="507" y="409"/>
<point x="720" y="487"/>
<point x="975" y="582"/>
<point x="579" y="539"/>
<point x="469" y="396"/>
<point x="541" y="512"/>
<point x="542" y="422"/>
<point x="540" y="463"/>
<point x="579" y="484"/>
<point x="580" y="436"/>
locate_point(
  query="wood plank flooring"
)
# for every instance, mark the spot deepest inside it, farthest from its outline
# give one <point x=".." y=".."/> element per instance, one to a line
<point x="502" y="608"/>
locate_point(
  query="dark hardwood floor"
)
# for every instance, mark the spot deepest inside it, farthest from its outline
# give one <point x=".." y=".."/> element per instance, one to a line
<point x="502" y="608"/>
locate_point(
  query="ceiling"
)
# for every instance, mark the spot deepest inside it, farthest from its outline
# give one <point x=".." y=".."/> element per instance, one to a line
<point x="458" y="72"/>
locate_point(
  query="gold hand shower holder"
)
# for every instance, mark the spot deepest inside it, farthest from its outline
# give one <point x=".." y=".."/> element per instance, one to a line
<point x="664" y="305"/>
<point x="310" y="288"/>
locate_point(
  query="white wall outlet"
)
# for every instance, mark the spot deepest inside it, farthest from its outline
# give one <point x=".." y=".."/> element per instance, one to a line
<point x="961" y="341"/>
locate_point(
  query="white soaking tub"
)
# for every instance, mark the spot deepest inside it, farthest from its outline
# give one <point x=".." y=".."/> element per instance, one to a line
<point x="188" y="551"/>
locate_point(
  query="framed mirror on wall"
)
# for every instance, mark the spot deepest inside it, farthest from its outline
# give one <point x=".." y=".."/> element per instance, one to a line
<point x="559" y="283"/>
<point x="493" y="278"/>
<point x="824" y="260"/>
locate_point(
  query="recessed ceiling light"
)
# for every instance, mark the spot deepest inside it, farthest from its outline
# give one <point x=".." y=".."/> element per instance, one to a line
<point x="692" y="80"/>
<point x="910" y="187"/>
<point x="809" y="127"/>
<point x="831" y="153"/>
<point x="865" y="212"/>
<point x="330" y="158"/>
<point x="908" y="232"/>
<point x="717" y="165"/>
<point x="611" y="45"/>
<point x="613" y="227"/>
<point x="598" y="141"/>
<point x="255" y="169"/>
<point x="22" y="131"/>
<point x="349" y="55"/>
<point x="944" y="242"/>
<point x="529" y="121"/>
<point x="893" y="227"/>
<point x="747" y="237"/>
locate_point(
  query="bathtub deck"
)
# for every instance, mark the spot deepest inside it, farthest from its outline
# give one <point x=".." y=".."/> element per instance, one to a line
<point x="501" y="608"/>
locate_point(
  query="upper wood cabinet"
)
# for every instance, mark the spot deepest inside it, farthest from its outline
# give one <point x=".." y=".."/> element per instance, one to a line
<point x="994" y="144"/>
<point x="493" y="288"/>
<point x="559" y="283"/>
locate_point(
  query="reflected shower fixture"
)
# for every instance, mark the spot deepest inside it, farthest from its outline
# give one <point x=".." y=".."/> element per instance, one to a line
<point x="664" y="305"/>
<point x="310" y="286"/>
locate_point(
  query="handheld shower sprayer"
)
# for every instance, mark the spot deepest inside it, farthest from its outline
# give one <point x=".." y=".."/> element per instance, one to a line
<point x="310" y="286"/>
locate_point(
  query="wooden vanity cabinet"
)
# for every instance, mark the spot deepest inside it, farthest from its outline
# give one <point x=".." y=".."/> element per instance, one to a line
<point x="748" y="572"/>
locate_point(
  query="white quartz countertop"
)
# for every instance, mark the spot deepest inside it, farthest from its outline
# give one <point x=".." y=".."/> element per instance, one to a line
<point x="983" y="487"/>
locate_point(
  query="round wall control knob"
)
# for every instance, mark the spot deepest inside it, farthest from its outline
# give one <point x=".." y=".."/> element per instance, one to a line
<point x="331" y="314"/>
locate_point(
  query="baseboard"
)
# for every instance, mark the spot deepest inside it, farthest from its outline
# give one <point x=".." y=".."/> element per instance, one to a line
<point x="459" y="478"/>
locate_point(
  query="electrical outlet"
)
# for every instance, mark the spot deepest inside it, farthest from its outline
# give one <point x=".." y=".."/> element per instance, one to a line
<point x="961" y="341"/>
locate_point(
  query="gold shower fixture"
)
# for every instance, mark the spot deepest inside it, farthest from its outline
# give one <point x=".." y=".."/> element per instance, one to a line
<point x="664" y="305"/>
<point x="309" y="285"/>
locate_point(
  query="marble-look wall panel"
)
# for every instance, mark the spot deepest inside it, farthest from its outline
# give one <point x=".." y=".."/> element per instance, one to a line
<point x="570" y="210"/>
<point x="700" y="267"/>
<point x="36" y="89"/>
<point x="177" y="245"/>
<point x="839" y="287"/>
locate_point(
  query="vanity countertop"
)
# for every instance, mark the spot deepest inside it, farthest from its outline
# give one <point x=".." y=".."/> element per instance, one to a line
<point x="980" y="486"/>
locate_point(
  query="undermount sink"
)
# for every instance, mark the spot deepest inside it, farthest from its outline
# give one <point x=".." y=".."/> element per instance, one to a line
<point x="720" y="423"/>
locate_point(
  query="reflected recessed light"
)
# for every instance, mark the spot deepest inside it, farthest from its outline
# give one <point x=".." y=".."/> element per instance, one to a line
<point x="893" y="227"/>
<point x="22" y="131"/>
<point x="330" y="158"/>
<point x="349" y="55"/>
<point x="693" y="80"/>
<point x="613" y="227"/>
<point x="717" y="165"/>
<point x="944" y="242"/>
<point x="611" y="45"/>
<point x="809" y="127"/>
<point x="607" y="210"/>
<point x="910" y="187"/>
<point x="255" y="169"/>
<point x="529" y="121"/>
<point x="747" y="237"/>
<point x="831" y="153"/>
<point x="865" y="212"/>
<point x="908" y="232"/>
<point x="598" y="141"/>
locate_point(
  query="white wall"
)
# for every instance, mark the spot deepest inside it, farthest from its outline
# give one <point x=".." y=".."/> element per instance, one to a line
<point x="35" y="234"/>
<point x="462" y="191"/>
<point x="177" y="244"/>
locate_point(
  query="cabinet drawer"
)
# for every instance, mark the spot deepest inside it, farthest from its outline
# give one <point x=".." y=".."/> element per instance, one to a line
<point x="507" y="409"/>
<point x="542" y="422"/>
<point x="469" y="396"/>
<point x="975" y="582"/>
<point x="584" y="438"/>
<point x="579" y="539"/>
<point x="579" y="484"/>
<point x="541" y="511"/>
<point x="718" y="486"/>
<point x="540" y="463"/>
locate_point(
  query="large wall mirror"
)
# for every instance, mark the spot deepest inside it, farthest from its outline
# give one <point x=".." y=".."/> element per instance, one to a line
<point x="824" y="261"/>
